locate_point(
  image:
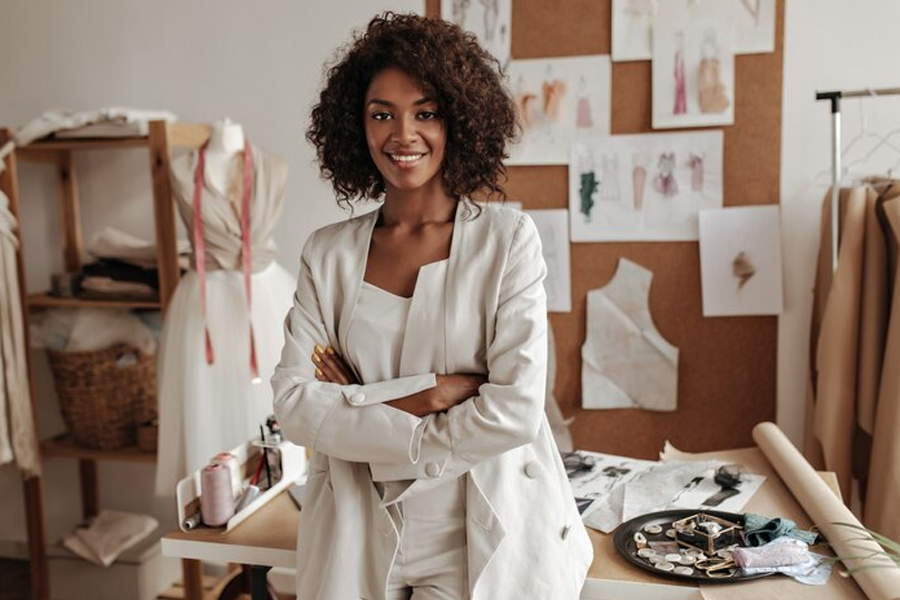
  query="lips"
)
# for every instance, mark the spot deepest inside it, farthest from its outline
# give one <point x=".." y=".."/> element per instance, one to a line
<point x="406" y="160"/>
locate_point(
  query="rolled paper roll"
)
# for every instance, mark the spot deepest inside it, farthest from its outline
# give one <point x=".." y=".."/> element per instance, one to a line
<point x="826" y="510"/>
<point x="216" y="499"/>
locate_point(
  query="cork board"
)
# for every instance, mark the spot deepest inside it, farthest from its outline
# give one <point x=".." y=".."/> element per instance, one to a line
<point x="727" y="365"/>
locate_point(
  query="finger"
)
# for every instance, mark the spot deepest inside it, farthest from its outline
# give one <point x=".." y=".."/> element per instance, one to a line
<point x="341" y="364"/>
<point x="323" y="372"/>
<point x="328" y="366"/>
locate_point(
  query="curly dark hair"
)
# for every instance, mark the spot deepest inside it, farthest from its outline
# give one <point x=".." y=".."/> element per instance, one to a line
<point x="450" y="66"/>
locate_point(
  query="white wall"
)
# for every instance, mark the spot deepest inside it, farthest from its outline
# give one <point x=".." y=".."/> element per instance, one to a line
<point x="259" y="63"/>
<point x="829" y="44"/>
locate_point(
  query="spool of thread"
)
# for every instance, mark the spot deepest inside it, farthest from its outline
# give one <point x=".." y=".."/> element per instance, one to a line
<point x="191" y="522"/>
<point x="228" y="459"/>
<point x="216" y="499"/>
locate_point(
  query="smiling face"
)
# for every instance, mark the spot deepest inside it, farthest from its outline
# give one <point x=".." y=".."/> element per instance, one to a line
<point x="405" y="134"/>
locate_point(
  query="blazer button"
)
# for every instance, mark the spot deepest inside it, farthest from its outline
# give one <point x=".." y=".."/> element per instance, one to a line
<point x="432" y="469"/>
<point x="533" y="470"/>
<point x="357" y="398"/>
<point x="565" y="531"/>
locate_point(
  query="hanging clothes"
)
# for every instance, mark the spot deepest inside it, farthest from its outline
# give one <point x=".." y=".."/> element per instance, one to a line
<point x="208" y="402"/>
<point x="883" y="490"/>
<point x="831" y="418"/>
<point x="626" y="363"/>
<point x="18" y="438"/>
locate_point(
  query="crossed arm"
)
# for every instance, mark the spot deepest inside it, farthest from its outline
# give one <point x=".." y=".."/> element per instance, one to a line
<point x="449" y="390"/>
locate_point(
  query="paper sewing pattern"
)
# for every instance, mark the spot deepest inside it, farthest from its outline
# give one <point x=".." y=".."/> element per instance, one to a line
<point x="626" y="363"/>
<point x="558" y="100"/>
<point x="643" y="186"/>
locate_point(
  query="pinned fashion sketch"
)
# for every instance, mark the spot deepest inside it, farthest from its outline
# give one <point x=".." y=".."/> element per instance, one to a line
<point x="625" y="361"/>
<point x="553" y="227"/>
<point x="693" y="70"/>
<point x="740" y="261"/>
<point x="489" y="20"/>
<point x="224" y="327"/>
<point x="643" y="186"/>
<point x="632" y="22"/>
<point x="558" y="100"/>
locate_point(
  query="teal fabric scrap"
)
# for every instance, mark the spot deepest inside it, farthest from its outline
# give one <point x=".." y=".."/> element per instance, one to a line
<point x="759" y="530"/>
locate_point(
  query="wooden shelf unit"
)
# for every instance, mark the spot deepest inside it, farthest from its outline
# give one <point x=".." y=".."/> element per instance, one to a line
<point x="45" y="300"/>
<point x="63" y="446"/>
<point x="161" y="138"/>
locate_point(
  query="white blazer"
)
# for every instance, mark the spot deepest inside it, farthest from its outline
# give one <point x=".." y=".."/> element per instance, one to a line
<point x="525" y="537"/>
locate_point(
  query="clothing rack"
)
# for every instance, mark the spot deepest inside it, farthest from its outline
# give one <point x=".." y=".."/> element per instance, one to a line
<point x="835" y="98"/>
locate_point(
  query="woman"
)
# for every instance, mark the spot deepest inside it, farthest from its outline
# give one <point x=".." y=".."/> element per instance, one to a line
<point x="415" y="354"/>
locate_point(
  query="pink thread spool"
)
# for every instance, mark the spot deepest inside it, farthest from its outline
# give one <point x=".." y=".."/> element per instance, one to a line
<point x="228" y="459"/>
<point x="216" y="499"/>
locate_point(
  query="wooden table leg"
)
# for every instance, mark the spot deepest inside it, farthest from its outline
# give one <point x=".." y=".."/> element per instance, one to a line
<point x="192" y="576"/>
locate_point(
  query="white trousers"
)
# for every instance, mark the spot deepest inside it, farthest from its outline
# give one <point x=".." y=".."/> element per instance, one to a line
<point x="431" y="562"/>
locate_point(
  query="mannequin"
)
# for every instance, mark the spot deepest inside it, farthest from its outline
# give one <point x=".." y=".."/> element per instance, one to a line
<point x="224" y="326"/>
<point x="226" y="141"/>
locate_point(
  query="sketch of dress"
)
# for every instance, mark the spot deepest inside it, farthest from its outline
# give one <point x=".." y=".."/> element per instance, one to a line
<point x="638" y="179"/>
<point x="696" y="163"/>
<point x="491" y="14"/>
<point x="527" y="105"/>
<point x="713" y="97"/>
<point x="665" y="182"/>
<point x="609" y="180"/>
<point x="586" y="191"/>
<point x="554" y="94"/>
<point x="459" y="9"/>
<point x="583" y="119"/>
<point x="680" y="90"/>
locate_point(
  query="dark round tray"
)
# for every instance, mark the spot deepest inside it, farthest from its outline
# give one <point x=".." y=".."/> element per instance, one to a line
<point x="623" y="539"/>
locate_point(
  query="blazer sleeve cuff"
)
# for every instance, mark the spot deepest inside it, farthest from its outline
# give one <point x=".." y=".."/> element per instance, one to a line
<point x="385" y="391"/>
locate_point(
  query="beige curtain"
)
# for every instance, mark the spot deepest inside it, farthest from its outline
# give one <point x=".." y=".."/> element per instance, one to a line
<point x="853" y="404"/>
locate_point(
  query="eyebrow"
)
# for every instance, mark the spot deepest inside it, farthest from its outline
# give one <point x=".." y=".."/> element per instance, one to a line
<point x="418" y="102"/>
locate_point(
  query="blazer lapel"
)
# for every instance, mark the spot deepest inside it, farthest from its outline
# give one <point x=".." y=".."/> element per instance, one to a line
<point x="351" y="273"/>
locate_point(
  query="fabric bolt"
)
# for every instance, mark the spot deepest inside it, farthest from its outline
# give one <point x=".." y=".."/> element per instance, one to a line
<point x="486" y="314"/>
<point x="208" y="408"/>
<point x="18" y="438"/>
<point x="626" y="363"/>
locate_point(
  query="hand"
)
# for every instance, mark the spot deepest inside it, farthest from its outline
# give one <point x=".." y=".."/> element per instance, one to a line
<point x="331" y="367"/>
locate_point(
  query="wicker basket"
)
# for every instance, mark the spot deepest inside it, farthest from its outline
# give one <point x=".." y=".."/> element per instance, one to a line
<point x="104" y="394"/>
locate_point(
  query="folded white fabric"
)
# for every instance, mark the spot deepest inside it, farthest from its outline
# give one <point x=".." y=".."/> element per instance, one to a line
<point x="109" y="535"/>
<point x="787" y="556"/>
<point x="119" y="245"/>
<point x="133" y="121"/>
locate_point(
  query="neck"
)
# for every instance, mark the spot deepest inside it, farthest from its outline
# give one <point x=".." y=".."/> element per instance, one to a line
<point x="417" y="207"/>
<point x="225" y="137"/>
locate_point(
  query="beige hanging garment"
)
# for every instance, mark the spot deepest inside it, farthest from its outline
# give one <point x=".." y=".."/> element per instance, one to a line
<point x="831" y="418"/>
<point x="18" y="415"/>
<point x="883" y="492"/>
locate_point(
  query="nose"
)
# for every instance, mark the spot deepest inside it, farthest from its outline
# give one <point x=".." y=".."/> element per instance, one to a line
<point x="405" y="130"/>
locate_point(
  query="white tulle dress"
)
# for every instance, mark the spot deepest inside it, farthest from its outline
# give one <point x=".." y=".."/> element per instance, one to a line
<point x="208" y="408"/>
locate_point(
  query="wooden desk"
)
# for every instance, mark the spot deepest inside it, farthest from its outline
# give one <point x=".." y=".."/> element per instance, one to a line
<point x="269" y="539"/>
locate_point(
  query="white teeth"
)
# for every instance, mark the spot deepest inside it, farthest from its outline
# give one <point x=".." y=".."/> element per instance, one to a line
<point x="406" y="157"/>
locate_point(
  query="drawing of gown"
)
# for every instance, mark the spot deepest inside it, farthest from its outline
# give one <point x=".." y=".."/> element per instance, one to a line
<point x="680" y="92"/>
<point x="665" y="182"/>
<point x="209" y="408"/>
<point x="626" y="363"/>
<point x="713" y="97"/>
<point x="609" y="178"/>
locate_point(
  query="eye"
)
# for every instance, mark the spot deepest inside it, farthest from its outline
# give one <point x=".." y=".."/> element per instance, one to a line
<point x="380" y="115"/>
<point x="428" y="115"/>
